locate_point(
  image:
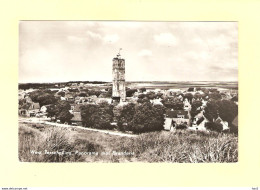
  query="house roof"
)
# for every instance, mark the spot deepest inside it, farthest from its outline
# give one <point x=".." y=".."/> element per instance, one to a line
<point x="199" y="115"/>
<point x="219" y="120"/>
<point x="201" y="119"/>
<point x="235" y="121"/>
<point x="175" y="113"/>
<point x="47" y="106"/>
<point x="76" y="117"/>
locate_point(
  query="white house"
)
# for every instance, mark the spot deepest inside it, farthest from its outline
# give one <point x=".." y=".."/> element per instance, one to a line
<point x="223" y="123"/>
<point x="176" y="117"/>
<point x="156" y="101"/>
<point x="199" y="122"/>
<point x="186" y="105"/>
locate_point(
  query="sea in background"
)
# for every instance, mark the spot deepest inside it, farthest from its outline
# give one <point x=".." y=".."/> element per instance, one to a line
<point x="182" y="84"/>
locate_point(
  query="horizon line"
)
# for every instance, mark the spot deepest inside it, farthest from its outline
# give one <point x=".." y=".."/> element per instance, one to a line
<point x="128" y="81"/>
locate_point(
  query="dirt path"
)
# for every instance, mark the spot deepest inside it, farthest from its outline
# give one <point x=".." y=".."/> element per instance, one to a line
<point x="41" y="121"/>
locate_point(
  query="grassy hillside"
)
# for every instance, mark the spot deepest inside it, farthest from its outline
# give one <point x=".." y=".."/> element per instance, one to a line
<point x="87" y="146"/>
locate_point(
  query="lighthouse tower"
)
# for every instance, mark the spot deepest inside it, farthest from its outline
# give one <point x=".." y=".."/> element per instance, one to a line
<point x="118" y="74"/>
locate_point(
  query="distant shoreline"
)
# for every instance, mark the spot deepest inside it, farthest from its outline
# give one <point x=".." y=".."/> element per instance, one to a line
<point x="128" y="82"/>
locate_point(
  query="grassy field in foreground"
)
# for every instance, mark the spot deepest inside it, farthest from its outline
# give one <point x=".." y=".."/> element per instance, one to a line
<point x="88" y="146"/>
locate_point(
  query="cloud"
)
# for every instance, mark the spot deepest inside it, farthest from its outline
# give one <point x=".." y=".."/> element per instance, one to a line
<point x="94" y="35"/>
<point x="145" y="52"/>
<point x="75" y="39"/>
<point x="198" y="55"/>
<point x="165" y="39"/>
<point x="113" y="38"/>
<point x="82" y="39"/>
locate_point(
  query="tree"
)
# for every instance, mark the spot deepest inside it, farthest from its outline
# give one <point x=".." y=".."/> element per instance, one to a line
<point x="97" y="116"/>
<point x="212" y="126"/>
<point x="103" y="116"/>
<point x="142" y="89"/>
<point x="226" y="109"/>
<point x="151" y="95"/>
<point x="172" y="103"/>
<point x="215" y="96"/>
<point x="73" y="90"/>
<point x="126" y="116"/>
<point x="46" y="99"/>
<point x="94" y="92"/>
<point x="197" y="95"/>
<point x="141" y="96"/>
<point x="147" y="118"/>
<point x="130" y="92"/>
<point x="159" y="95"/>
<point x="87" y="112"/>
<point x="235" y="98"/>
<point x="205" y="90"/>
<point x="181" y="126"/>
<point x="191" y="89"/>
<point x="82" y="94"/>
<point x="61" y="93"/>
<point x="51" y="111"/>
<point x="65" y="116"/>
<point x="211" y="110"/>
<point x="189" y="96"/>
<point x="194" y="108"/>
<point x="43" y="97"/>
<point x="143" y="100"/>
<point x="62" y="111"/>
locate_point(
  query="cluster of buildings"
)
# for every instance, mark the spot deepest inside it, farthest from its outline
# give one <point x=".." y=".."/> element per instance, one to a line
<point x="173" y="118"/>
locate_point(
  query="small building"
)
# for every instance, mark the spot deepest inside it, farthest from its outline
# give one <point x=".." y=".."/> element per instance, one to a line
<point x="76" y="119"/>
<point x="186" y="105"/>
<point x="199" y="122"/>
<point x="223" y="123"/>
<point x="34" y="109"/>
<point x="176" y="117"/>
<point x="69" y="97"/>
<point x="180" y="97"/>
<point x="108" y="100"/>
<point x="29" y="109"/>
<point x="156" y="101"/>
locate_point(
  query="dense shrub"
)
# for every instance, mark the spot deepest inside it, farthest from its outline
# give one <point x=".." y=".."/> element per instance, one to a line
<point x="62" y="111"/>
<point x="182" y="146"/>
<point x="226" y="109"/>
<point x="53" y="140"/>
<point x="130" y="92"/>
<point x="97" y="116"/>
<point x="181" y="126"/>
<point x="43" y="97"/>
<point x="125" y="117"/>
<point x="212" y="126"/>
<point x="147" y="118"/>
<point x="173" y="103"/>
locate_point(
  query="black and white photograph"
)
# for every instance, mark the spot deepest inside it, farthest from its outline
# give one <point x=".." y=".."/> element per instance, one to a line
<point x="128" y="91"/>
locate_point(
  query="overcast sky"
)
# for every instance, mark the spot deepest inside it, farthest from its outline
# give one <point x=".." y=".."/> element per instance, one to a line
<point x="57" y="51"/>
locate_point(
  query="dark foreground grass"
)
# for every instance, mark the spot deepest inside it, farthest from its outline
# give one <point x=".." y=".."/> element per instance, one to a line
<point x="89" y="146"/>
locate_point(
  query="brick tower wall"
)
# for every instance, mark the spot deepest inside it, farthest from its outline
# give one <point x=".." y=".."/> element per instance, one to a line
<point x="118" y="74"/>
